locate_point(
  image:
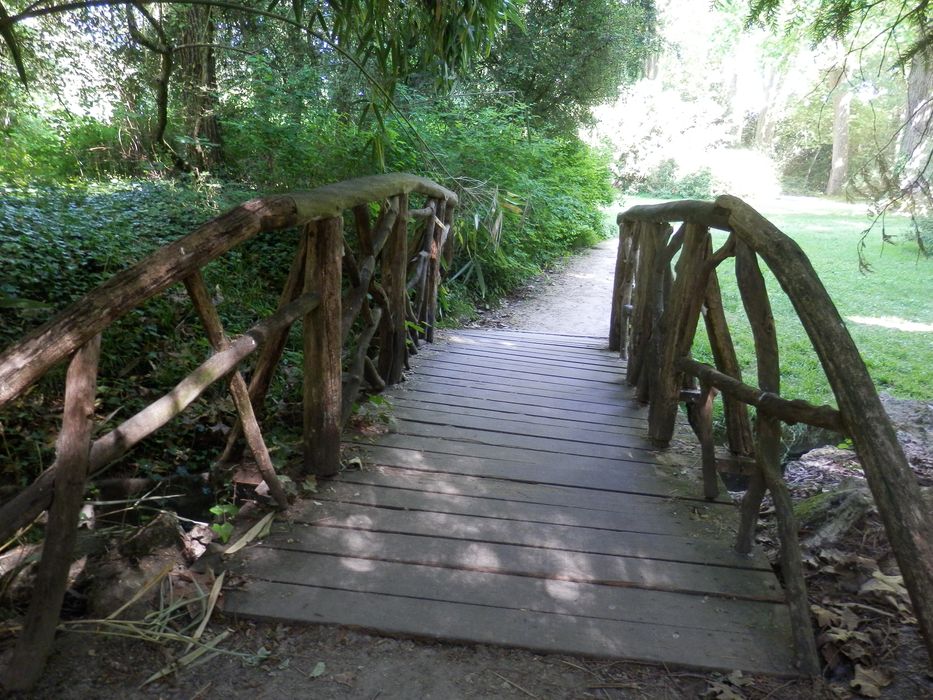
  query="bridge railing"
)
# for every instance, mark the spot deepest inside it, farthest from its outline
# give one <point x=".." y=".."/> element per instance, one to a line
<point x="372" y="301"/>
<point x="656" y="308"/>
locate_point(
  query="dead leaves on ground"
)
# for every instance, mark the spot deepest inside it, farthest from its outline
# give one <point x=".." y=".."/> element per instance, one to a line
<point x="853" y="632"/>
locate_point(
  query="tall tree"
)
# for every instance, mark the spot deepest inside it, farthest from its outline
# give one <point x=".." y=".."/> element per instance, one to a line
<point x="572" y="56"/>
<point x="386" y="41"/>
<point x="842" y="109"/>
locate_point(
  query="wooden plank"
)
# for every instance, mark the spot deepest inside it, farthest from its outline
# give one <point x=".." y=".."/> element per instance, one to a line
<point x="610" y="570"/>
<point x="622" y="436"/>
<point x="628" y="447"/>
<point x="634" y="480"/>
<point x="577" y="342"/>
<point x="535" y="345"/>
<point x="445" y="442"/>
<point x="641" y="513"/>
<point x="596" y="358"/>
<point x="528" y="413"/>
<point x="522" y="366"/>
<point x="457" y="353"/>
<point x="628" y="543"/>
<point x="530" y="388"/>
<point x="521" y="375"/>
<point x="555" y="405"/>
<point x="621" y="603"/>
<point x="489" y="625"/>
<point x="564" y="496"/>
<point x="410" y="394"/>
<point x="519" y="368"/>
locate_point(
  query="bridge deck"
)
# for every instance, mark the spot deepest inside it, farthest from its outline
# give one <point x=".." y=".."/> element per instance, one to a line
<point x="516" y="502"/>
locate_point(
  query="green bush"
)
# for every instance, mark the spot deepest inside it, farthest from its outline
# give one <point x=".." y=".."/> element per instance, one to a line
<point x="526" y="199"/>
<point x="665" y="182"/>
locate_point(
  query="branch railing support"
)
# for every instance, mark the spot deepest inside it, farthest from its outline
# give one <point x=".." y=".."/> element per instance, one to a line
<point x="312" y="292"/>
<point x="656" y="332"/>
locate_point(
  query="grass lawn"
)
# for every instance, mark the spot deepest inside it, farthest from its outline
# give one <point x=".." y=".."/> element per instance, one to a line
<point x="889" y="312"/>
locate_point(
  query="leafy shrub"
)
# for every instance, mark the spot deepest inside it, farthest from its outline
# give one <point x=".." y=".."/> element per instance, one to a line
<point x="666" y="182"/>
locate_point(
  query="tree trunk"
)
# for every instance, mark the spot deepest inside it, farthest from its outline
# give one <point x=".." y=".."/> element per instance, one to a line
<point x="198" y="67"/>
<point x="918" y="122"/>
<point x="842" y="103"/>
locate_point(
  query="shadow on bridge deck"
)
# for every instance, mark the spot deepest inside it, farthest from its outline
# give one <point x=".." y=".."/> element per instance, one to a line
<point x="516" y="502"/>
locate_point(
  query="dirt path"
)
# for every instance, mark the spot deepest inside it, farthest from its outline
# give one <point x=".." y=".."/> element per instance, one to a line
<point x="326" y="662"/>
<point x="574" y="300"/>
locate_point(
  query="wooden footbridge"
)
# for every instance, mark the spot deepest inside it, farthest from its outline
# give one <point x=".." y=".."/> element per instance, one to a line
<point x="517" y="502"/>
<point x="524" y="494"/>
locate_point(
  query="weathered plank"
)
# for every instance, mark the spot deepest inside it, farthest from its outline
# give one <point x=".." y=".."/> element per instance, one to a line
<point x="637" y="479"/>
<point x="518" y="503"/>
<point x="630" y="543"/>
<point x="640" y="513"/>
<point x="622" y="603"/>
<point x="559" y="565"/>
<point x="562" y="373"/>
<point x="537" y="415"/>
<point x="623" y="447"/>
<point x="529" y="389"/>
<point x="599" y="360"/>
<point x="544" y="494"/>
<point x="618" y="435"/>
<point x="562" y="380"/>
<point x="577" y="342"/>
<point x="490" y="625"/>
<point x="496" y="393"/>
<point x="411" y="440"/>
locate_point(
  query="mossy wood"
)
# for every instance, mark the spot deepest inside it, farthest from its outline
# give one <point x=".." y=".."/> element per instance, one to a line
<point x="645" y="230"/>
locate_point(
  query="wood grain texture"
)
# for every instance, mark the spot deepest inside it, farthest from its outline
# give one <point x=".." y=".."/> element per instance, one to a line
<point x="498" y="511"/>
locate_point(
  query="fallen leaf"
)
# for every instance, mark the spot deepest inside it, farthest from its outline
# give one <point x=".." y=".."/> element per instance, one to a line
<point x="825" y="617"/>
<point x="869" y="681"/>
<point x="318" y="670"/>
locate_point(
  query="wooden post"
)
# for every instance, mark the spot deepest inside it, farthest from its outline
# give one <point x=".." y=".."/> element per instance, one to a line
<point x="31" y="501"/>
<point x="768" y="433"/>
<point x="677" y="327"/>
<point x="657" y="266"/>
<point x="322" y="372"/>
<point x="700" y="416"/>
<point x="269" y="355"/>
<point x="738" y="425"/>
<point x="641" y="300"/>
<point x="354" y="378"/>
<point x="434" y="270"/>
<point x="392" y="334"/>
<point x="364" y="229"/>
<point x="74" y="441"/>
<point x="423" y="274"/>
<point x="618" y="282"/>
<point x="201" y="299"/>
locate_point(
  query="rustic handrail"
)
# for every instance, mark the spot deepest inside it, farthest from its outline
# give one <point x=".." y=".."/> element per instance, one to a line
<point x="314" y="292"/>
<point x="656" y="308"/>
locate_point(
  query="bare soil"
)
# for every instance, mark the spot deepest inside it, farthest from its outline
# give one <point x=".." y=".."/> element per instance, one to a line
<point x="278" y="661"/>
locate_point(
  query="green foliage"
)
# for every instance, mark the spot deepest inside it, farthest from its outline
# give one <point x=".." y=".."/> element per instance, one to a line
<point x="61" y="241"/>
<point x="665" y="182"/>
<point x="223" y="513"/>
<point x="878" y="308"/>
<point x="527" y="199"/>
<point x="572" y="56"/>
<point x="837" y="19"/>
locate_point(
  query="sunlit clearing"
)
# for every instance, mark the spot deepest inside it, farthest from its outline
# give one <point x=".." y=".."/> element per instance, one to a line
<point x="894" y="322"/>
